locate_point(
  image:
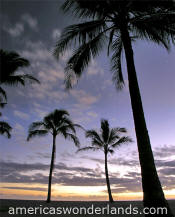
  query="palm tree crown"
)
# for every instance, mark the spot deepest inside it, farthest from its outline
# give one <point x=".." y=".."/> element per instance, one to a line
<point x="9" y="64"/>
<point x="150" y="20"/>
<point x="107" y="140"/>
<point x="56" y="123"/>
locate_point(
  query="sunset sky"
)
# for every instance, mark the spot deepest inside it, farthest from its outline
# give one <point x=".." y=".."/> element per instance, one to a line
<point x="32" y="28"/>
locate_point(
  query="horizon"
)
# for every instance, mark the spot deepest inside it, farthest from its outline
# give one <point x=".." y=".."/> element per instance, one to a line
<point x="27" y="30"/>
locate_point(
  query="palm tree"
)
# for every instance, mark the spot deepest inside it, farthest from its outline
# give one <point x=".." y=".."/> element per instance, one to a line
<point x="119" y="23"/>
<point x="9" y="64"/>
<point x="55" y="123"/>
<point x="106" y="141"/>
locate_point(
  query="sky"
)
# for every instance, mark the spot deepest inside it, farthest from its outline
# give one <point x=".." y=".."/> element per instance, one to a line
<point x="32" y="28"/>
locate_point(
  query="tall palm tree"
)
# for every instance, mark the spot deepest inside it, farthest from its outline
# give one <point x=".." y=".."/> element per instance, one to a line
<point x="55" y="123"/>
<point x="10" y="62"/>
<point x="107" y="140"/>
<point x="119" y="23"/>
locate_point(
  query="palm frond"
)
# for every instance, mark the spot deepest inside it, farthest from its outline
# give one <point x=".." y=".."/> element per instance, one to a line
<point x="85" y="9"/>
<point x="82" y="56"/>
<point x="157" y="26"/>
<point x="105" y="130"/>
<point x="120" y="130"/>
<point x="113" y="135"/>
<point x="30" y="78"/>
<point x="111" y="35"/>
<point x="122" y="140"/>
<point x="110" y="151"/>
<point x="10" y="62"/>
<point x="91" y="148"/>
<point x="116" y="68"/>
<point x="3" y="93"/>
<point x="5" y="129"/>
<point x="74" y="138"/>
<point x="36" y="125"/>
<point x="96" y="143"/>
<point x="94" y="136"/>
<point x="14" y="80"/>
<point x="80" y="33"/>
<point x="2" y="104"/>
<point x="35" y="133"/>
<point x="65" y="124"/>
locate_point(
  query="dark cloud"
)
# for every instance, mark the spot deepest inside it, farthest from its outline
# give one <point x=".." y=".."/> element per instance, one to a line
<point x="8" y="167"/>
<point x="165" y="163"/>
<point x="27" y="188"/>
<point x="165" y="151"/>
<point x="167" y="171"/>
<point x="12" y="172"/>
<point x="114" y="161"/>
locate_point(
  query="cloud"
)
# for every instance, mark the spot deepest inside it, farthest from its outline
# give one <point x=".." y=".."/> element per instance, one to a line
<point x="16" y="30"/>
<point x="32" y="22"/>
<point x="18" y="128"/>
<point x="27" y="188"/>
<point x="21" y="115"/>
<point x="164" y="151"/>
<point x="56" y="34"/>
<point x="94" y="69"/>
<point x="48" y="71"/>
<point x="114" y="161"/>
<point x="83" y="97"/>
<point x="92" y="114"/>
<point x="36" y="51"/>
<point x="66" y="175"/>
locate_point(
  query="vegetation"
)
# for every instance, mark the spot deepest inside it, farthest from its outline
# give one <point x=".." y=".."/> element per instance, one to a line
<point x="5" y="129"/>
<point x="106" y="141"/>
<point x="55" y="123"/>
<point x="119" y="23"/>
<point x="9" y="64"/>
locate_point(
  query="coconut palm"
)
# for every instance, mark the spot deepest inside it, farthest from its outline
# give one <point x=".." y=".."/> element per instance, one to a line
<point x="9" y="64"/>
<point x="107" y="140"/>
<point x="119" y="23"/>
<point x="55" y="123"/>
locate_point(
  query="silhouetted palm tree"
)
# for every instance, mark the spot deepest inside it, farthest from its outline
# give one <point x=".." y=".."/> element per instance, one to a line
<point x="10" y="62"/>
<point x="118" y="23"/>
<point x="55" y="123"/>
<point x="107" y="140"/>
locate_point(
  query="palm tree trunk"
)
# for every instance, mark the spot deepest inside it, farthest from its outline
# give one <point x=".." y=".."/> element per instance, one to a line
<point x="153" y="195"/>
<point x="107" y="179"/>
<point x="51" y="169"/>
